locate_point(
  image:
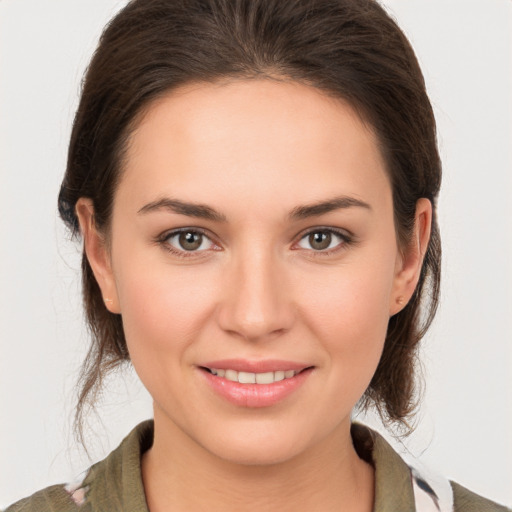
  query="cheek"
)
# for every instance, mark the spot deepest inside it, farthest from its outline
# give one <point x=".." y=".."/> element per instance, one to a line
<point x="348" y="309"/>
<point x="163" y="307"/>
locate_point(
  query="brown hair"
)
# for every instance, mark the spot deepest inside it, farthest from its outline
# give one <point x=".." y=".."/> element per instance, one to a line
<point x="351" y="49"/>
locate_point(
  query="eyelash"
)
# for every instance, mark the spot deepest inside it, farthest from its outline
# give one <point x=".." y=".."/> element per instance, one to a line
<point x="346" y="240"/>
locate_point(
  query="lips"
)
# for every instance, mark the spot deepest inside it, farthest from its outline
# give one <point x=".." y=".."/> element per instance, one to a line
<point x="254" y="383"/>
<point x="266" y="365"/>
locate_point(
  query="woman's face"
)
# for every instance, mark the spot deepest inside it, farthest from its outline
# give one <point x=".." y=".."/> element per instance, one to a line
<point x="253" y="233"/>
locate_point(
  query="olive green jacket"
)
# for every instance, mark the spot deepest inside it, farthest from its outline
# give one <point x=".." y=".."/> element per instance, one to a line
<point x="115" y="483"/>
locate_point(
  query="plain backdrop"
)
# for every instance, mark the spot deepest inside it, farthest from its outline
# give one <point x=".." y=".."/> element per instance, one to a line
<point x="465" y="425"/>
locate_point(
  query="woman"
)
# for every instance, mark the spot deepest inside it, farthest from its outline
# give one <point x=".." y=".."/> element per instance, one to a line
<point x="255" y="184"/>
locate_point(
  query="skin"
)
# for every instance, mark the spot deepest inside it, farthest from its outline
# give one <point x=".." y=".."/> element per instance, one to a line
<point x="257" y="289"/>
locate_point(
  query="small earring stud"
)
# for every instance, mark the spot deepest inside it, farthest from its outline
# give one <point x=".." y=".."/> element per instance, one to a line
<point x="400" y="300"/>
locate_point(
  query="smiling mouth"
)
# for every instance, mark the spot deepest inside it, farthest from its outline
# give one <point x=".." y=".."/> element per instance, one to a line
<point x="253" y="378"/>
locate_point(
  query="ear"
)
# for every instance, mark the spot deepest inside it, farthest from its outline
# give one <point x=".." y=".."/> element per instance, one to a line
<point x="410" y="259"/>
<point x="97" y="252"/>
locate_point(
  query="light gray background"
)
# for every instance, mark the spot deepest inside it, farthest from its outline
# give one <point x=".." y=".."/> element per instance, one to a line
<point x="464" y="432"/>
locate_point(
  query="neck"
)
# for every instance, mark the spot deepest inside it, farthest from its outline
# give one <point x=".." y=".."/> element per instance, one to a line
<point x="180" y="475"/>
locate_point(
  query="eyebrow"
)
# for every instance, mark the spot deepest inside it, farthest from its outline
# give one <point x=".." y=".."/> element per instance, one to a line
<point x="200" y="211"/>
<point x="203" y="211"/>
<point x="323" y="207"/>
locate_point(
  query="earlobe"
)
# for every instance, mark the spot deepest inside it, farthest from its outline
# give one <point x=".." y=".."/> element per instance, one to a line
<point x="410" y="260"/>
<point x="97" y="253"/>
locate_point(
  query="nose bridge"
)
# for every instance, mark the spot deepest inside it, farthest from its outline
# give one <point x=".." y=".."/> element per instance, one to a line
<point x="256" y="304"/>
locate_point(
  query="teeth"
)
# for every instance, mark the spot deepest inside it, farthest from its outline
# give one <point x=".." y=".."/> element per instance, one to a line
<point x="231" y="375"/>
<point x="254" y="378"/>
<point x="265" y="378"/>
<point x="279" y="375"/>
<point x="246" y="378"/>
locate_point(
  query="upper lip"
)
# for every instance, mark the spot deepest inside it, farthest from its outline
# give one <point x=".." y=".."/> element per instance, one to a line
<point x="262" y="366"/>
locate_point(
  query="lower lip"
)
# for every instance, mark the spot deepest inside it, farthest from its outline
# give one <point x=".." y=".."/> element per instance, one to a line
<point x="255" y="395"/>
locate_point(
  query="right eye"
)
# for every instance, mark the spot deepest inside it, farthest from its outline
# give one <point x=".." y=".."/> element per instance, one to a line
<point x="186" y="242"/>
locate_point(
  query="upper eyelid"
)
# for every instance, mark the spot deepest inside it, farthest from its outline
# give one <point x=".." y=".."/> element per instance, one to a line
<point x="300" y="236"/>
<point x="337" y="231"/>
<point x="176" y="231"/>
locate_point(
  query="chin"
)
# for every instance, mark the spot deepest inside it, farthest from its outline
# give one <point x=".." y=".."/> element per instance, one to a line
<point x="251" y="455"/>
<point x="257" y="448"/>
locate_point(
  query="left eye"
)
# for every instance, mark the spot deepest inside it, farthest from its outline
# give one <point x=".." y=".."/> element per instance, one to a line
<point x="321" y="240"/>
<point x="189" y="241"/>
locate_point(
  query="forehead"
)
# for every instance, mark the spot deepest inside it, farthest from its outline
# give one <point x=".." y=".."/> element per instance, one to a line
<point x="279" y="141"/>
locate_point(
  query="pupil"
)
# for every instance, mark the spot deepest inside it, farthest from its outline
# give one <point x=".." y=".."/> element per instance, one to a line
<point x="190" y="241"/>
<point x="320" y="240"/>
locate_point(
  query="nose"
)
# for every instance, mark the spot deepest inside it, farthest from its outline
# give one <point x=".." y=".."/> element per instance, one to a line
<point x="256" y="302"/>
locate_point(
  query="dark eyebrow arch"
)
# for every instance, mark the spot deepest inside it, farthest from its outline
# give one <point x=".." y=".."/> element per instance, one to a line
<point x="203" y="211"/>
<point x="200" y="211"/>
<point x="323" y="207"/>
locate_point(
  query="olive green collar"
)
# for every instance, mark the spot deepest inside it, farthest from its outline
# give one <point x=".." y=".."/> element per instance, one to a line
<point x="117" y="480"/>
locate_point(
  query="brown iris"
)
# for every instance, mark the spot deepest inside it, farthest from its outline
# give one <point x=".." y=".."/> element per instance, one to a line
<point x="190" y="240"/>
<point x="320" y="240"/>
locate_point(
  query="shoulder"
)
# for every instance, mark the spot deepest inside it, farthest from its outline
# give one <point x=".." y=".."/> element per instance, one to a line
<point x="114" y="483"/>
<point x="411" y="485"/>
<point x="57" y="498"/>
<point x="466" y="501"/>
